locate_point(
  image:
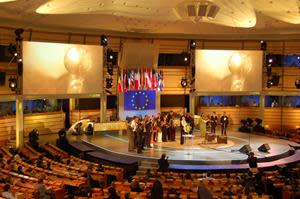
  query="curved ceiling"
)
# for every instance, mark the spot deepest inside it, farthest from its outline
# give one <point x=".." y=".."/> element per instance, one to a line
<point x="196" y="18"/>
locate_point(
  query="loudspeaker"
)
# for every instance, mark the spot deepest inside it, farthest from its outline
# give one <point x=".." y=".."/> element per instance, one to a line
<point x="264" y="148"/>
<point x="245" y="149"/>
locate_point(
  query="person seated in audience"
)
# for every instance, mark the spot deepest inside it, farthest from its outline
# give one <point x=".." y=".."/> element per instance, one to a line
<point x="8" y="165"/>
<point x="148" y="174"/>
<point x="100" y="168"/>
<point x="42" y="190"/>
<point x="157" y="191"/>
<point x="70" y="163"/>
<point x="49" y="166"/>
<point x="249" y="183"/>
<point x="204" y="193"/>
<point x="173" y="191"/>
<point x="20" y="170"/>
<point x="135" y="186"/>
<point x="113" y="193"/>
<point x="7" y="194"/>
<point x="252" y="161"/>
<point x="188" y="176"/>
<point x="163" y="163"/>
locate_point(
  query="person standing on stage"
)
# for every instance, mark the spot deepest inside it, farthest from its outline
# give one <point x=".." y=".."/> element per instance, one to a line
<point x="140" y="137"/>
<point x="134" y="125"/>
<point x="148" y="126"/>
<point x="164" y="129"/>
<point x="171" y="130"/>
<point x="213" y="123"/>
<point x="224" y="123"/>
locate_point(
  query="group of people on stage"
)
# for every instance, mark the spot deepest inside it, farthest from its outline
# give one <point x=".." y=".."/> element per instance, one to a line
<point x="143" y="132"/>
<point x="212" y="121"/>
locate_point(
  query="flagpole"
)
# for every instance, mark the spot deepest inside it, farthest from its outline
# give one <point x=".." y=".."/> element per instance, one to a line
<point x="117" y="112"/>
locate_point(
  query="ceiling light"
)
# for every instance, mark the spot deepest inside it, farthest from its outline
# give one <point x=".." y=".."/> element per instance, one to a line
<point x="192" y="44"/>
<point x="270" y="83"/>
<point x="263" y="45"/>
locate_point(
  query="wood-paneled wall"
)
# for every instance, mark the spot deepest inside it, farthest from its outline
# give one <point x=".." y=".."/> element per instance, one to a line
<point x="45" y="123"/>
<point x="273" y="117"/>
<point x="93" y="115"/>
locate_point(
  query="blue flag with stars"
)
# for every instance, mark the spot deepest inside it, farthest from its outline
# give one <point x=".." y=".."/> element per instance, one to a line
<point x="139" y="100"/>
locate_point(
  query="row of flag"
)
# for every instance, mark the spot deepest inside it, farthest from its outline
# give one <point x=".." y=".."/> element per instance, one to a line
<point x="141" y="79"/>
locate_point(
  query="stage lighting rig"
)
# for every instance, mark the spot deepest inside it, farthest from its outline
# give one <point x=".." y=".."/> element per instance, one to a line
<point x="109" y="82"/>
<point x="18" y="33"/>
<point x="192" y="44"/>
<point x="12" y="83"/>
<point x="184" y="82"/>
<point x="103" y="40"/>
<point x="297" y="83"/>
<point x="185" y="56"/>
<point x="270" y="83"/>
<point x="263" y="45"/>
<point x="109" y="55"/>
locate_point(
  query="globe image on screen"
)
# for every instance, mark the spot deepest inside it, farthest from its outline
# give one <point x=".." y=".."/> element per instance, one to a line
<point x="77" y="61"/>
<point x="239" y="64"/>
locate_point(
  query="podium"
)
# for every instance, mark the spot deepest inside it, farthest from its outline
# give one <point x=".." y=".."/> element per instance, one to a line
<point x="185" y="136"/>
<point x="221" y="139"/>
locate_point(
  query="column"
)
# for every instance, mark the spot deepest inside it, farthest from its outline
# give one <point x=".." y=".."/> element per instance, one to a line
<point x="103" y="108"/>
<point x="157" y="105"/>
<point x="192" y="104"/>
<point x="262" y="108"/>
<point x="72" y="104"/>
<point x="19" y="122"/>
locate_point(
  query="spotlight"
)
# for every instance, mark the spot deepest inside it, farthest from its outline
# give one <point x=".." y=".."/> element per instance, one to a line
<point x="270" y="83"/>
<point x="20" y="60"/>
<point x="192" y="44"/>
<point x="270" y="60"/>
<point x="109" y="82"/>
<point x="183" y="82"/>
<point x="12" y="83"/>
<point x="18" y="33"/>
<point x="110" y="55"/>
<point x="103" y="40"/>
<point x="297" y="83"/>
<point x="185" y="57"/>
<point x="263" y="45"/>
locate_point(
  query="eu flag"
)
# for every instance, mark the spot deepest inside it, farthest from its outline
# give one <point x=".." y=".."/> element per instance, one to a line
<point x="139" y="100"/>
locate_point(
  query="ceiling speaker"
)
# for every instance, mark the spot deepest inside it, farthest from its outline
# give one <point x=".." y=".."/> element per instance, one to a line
<point x="213" y="11"/>
<point x="202" y="10"/>
<point x="191" y="10"/>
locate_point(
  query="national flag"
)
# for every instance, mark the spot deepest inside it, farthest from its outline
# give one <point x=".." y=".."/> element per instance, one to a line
<point x="125" y="81"/>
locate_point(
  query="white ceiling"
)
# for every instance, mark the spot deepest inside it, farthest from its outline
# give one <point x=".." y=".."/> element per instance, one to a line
<point x="236" y="18"/>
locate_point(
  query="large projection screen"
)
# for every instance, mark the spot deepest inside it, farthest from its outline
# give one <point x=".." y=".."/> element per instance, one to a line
<point x="228" y="71"/>
<point x="54" y="68"/>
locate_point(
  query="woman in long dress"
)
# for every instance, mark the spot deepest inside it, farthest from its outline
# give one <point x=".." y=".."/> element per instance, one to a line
<point x="130" y="135"/>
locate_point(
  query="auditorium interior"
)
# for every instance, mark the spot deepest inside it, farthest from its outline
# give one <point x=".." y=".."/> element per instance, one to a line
<point x="149" y="99"/>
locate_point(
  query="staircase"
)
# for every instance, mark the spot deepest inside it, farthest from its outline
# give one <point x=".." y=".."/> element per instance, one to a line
<point x="145" y="165"/>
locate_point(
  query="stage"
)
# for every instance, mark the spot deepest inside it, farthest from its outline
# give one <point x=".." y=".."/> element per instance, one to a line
<point x="196" y="152"/>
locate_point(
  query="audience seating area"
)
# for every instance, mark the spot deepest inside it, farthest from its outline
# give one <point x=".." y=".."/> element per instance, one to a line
<point x="68" y="176"/>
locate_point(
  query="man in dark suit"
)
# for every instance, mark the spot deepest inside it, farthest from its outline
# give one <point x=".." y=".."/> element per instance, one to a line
<point x="224" y="123"/>
<point x="163" y="163"/>
<point x="213" y="123"/>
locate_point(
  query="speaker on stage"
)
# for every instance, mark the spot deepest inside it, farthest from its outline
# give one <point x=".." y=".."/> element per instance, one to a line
<point x="221" y="139"/>
<point x="264" y="148"/>
<point x="245" y="149"/>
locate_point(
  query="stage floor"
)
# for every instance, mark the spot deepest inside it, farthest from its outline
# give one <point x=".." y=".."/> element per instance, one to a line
<point x="197" y="151"/>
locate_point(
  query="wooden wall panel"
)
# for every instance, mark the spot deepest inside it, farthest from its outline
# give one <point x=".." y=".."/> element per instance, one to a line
<point x="275" y="47"/>
<point x="226" y="45"/>
<point x="235" y="114"/>
<point x="93" y="115"/>
<point x="251" y="45"/>
<point x="291" y="47"/>
<point x="172" y="45"/>
<point x="50" y="37"/>
<point x="46" y="123"/>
